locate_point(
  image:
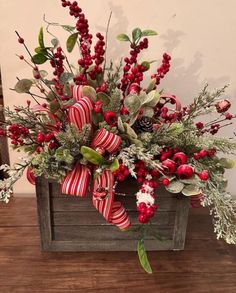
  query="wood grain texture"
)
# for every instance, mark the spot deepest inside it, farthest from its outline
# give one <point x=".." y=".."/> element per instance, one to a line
<point x="66" y="219"/>
<point x="204" y="266"/>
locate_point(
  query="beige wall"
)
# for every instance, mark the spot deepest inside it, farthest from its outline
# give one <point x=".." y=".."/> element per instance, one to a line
<point x="200" y="36"/>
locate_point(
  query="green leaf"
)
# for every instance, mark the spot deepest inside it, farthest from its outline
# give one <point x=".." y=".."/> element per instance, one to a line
<point x="123" y="38"/>
<point x="104" y="98"/>
<point x="148" y="33"/>
<point x="67" y="89"/>
<point x="227" y="163"/>
<point x="137" y="142"/>
<point x="42" y="73"/>
<point x="190" y="190"/>
<point x="114" y="165"/>
<point x="148" y="111"/>
<point x="136" y="34"/>
<point x="97" y="118"/>
<point x="65" y="77"/>
<point x="92" y="156"/>
<point x="192" y="181"/>
<point x="39" y="58"/>
<point x="131" y="133"/>
<point x="23" y="85"/>
<point x="120" y="125"/>
<point x="143" y="257"/>
<point x="175" y="186"/>
<point x="71" y="41"/>
<point x="68" y="28"/>
<point x="89" y="92"/>
<point x="151" y="85"/>
<point x="132" y="103"/>
<point x="154" y="98"/>
<point x="40" y="38"/>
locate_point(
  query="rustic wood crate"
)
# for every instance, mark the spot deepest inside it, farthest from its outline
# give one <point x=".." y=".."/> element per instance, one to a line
<point x="71" y="223"/>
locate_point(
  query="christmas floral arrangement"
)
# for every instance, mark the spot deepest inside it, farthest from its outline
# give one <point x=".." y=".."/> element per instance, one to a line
<point x="94" y="125"/>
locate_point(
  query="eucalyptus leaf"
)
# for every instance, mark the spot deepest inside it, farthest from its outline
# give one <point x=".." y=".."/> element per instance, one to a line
<point x="71" y="41"/>
<point x="154" y="97"/>
<point x="131" y="133"/>
<point x="43" y="73"/>
<point x="97" y="118"/>
<point x="132" y="103"/>
<point x="136" y="34"/>
<point x="54" y="106"/>
<point x="148" y="33"/>
<point x="137" y="142"/>
<point x="123" y="38"/>
<point x="51" y="96"/>
<point x="227" y="163"/>
<point x="89" y="91"/>
<point x="92" y="156"/>
<point x="67" y="89"/>
<point x="23" y="85"/>
<point x="39" y="58"/>
<point x="148" y="111"/>
<point x="143" y="257"/>
<point x="133" y="118"/>
<point x="120" y="125"/>
<point x="65" y="77"/>
<point x="190" y="190"/>
<point x="40" y="38"/>
<point x="192" y="181"/>
<point x="54" y="42"/>
<point x="151" y="85"/>
<point x="175" y="186"/>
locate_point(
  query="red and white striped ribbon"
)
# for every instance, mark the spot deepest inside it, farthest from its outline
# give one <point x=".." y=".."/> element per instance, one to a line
<point x="107" y="140"/>
<point x="76" y="182"/>
<point x="173" y="98"/>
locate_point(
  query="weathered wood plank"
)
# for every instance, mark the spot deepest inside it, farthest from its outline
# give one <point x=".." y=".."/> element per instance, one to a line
<point x="95" y="218"/>
<point x="75" y="203"/>
<point x="44" y="212"/>
<point x="101" y="233"/>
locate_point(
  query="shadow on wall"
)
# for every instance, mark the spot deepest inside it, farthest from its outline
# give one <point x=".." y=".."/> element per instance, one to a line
<point x="183" y="80"/>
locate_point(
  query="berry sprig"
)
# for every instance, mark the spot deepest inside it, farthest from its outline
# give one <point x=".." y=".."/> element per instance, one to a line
<point x="163" y="69"/>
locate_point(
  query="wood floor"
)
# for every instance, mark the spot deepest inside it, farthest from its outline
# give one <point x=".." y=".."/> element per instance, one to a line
<point x="206" y="265"/>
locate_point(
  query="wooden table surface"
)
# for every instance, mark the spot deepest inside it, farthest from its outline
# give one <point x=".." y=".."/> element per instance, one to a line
<point x="206" y="265"/>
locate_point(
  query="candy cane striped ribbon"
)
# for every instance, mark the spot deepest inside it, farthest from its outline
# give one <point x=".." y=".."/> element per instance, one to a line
<point x="76" y="182"/>
<point x="173" y="98"/>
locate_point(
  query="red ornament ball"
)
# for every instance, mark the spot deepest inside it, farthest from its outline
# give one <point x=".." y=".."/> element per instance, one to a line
<point x="165" y="181"/>
<point x="204" y="175"/>
<point x="185" y="171"/>
<point x="180" y="158"/>
<point x="168" y="166"/>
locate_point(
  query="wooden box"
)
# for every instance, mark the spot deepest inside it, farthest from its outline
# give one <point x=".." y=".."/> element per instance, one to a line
<point x="71" y="223"/>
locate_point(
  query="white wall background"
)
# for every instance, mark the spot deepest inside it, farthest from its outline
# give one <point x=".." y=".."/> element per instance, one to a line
<point x="200" y="36"/>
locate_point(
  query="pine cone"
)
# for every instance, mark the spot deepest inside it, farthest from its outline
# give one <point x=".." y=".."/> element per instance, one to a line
<point x="143" y="124"/>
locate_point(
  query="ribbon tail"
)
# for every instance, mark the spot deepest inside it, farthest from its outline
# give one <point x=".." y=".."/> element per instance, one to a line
<point x="112" y="211"/>
<point x="76" y="182"/>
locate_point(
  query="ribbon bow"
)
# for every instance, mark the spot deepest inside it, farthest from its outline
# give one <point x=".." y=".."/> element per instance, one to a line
<point x="76" y="182"/>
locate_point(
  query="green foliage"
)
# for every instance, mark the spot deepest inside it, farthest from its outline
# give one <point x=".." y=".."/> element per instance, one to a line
<point x="40" y="38"/>
<point x="92" y="156"/>
<point x="72" y="138"/>
<point x="39" y="58"/>
<point x="52" y="163"/>
<point x="71" y="41"/>
<point x="123" y="38"/>
<point x="136" y="35"/>
<point x="143" y="257"/>
<point x="148" y="33"/>
<point x="115" y="102"/>
<point x="23" y="85"/>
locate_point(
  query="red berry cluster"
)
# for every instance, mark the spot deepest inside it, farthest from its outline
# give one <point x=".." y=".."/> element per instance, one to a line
<point x="145" y="212"/>
<point x="49" y="138"/>
<point x="163" y="69"/>
<point x="204" y="153"/>
<point x="136" y="74"/>
<point x="163" y="113"/>
<point x="142" y="172"/>
<point x="17" y="134"/>
<point x="58" y="86"/>
<point x="122" y="173"/>
<point x="57" y="62"/>
<point x="98" y="56"/>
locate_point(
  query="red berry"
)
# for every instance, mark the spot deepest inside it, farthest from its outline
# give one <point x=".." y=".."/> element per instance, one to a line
<point x="52" y="145"/>
<point x="154" y="206"/>
<point x="110" y="117"/>
<point x="40" y="137"/>
<point x="168" y="166"/>
<point x="185" y="171"/>
<point x="165" y="181"/>
<point x="150" y="212"/>
<point x="121" y="177"/>
<point x="142" y="218"/>
<point x="48" y="137"/>
<point x="21" y="57"/>
<point x="204" y="175"/>
<point x="180" y="158"/>
<point x="203" y="153"/>
<point x="199" y="125"/>
<point x="21" y="40"/>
